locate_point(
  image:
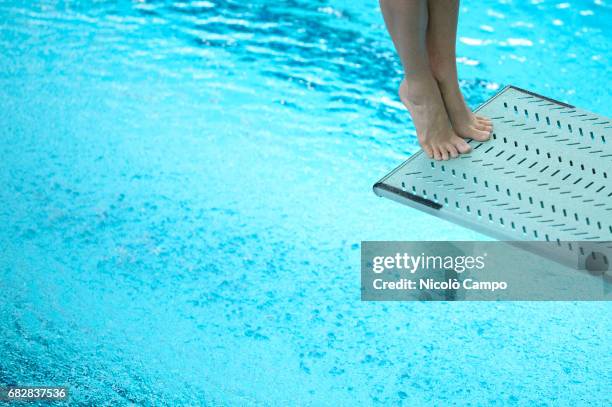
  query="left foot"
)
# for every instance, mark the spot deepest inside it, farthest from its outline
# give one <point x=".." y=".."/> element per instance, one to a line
<point x="465" y="123"/>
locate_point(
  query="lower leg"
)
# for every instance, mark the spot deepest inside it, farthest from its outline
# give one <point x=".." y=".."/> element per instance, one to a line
<point x="406" y="21"/>
<point x="441" y="40"/>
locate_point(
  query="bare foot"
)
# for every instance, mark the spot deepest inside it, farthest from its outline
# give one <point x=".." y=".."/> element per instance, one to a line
<point x="423" y="100"/>
<point x="465" y="123"/>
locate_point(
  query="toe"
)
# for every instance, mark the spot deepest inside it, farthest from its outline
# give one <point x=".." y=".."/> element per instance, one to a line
<point x="480" y="135"/>
<point x="444" y="152"/>
<point x="484" y="119"/>
<point x="461" y="145"/>
<point x="436" y="153"/>
<point x="452" y="150"/>
<point x="483" y="126"/>
<point x="428" y="151"/>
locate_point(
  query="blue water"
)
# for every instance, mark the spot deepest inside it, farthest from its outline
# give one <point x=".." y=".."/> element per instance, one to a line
<point x="185" y="186"/>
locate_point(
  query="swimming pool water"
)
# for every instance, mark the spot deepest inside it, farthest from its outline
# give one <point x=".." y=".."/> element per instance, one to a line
<point x="185" y="186"/>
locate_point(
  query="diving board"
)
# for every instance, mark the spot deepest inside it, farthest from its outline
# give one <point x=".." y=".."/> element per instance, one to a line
<point x="545" y="174"/>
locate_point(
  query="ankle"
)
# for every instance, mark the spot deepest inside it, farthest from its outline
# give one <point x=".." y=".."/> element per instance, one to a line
<point x="445" y="74"/>
<point x="418" y="83"/>
<point x="449" y="86"/>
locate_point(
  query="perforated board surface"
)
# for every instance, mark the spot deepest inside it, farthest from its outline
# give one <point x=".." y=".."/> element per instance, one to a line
<point x="546" y="174"/>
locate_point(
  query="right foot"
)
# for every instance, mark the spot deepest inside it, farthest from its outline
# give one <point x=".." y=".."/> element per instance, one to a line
<point x="436" y="136"/>
<point x="465" y="123"/>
